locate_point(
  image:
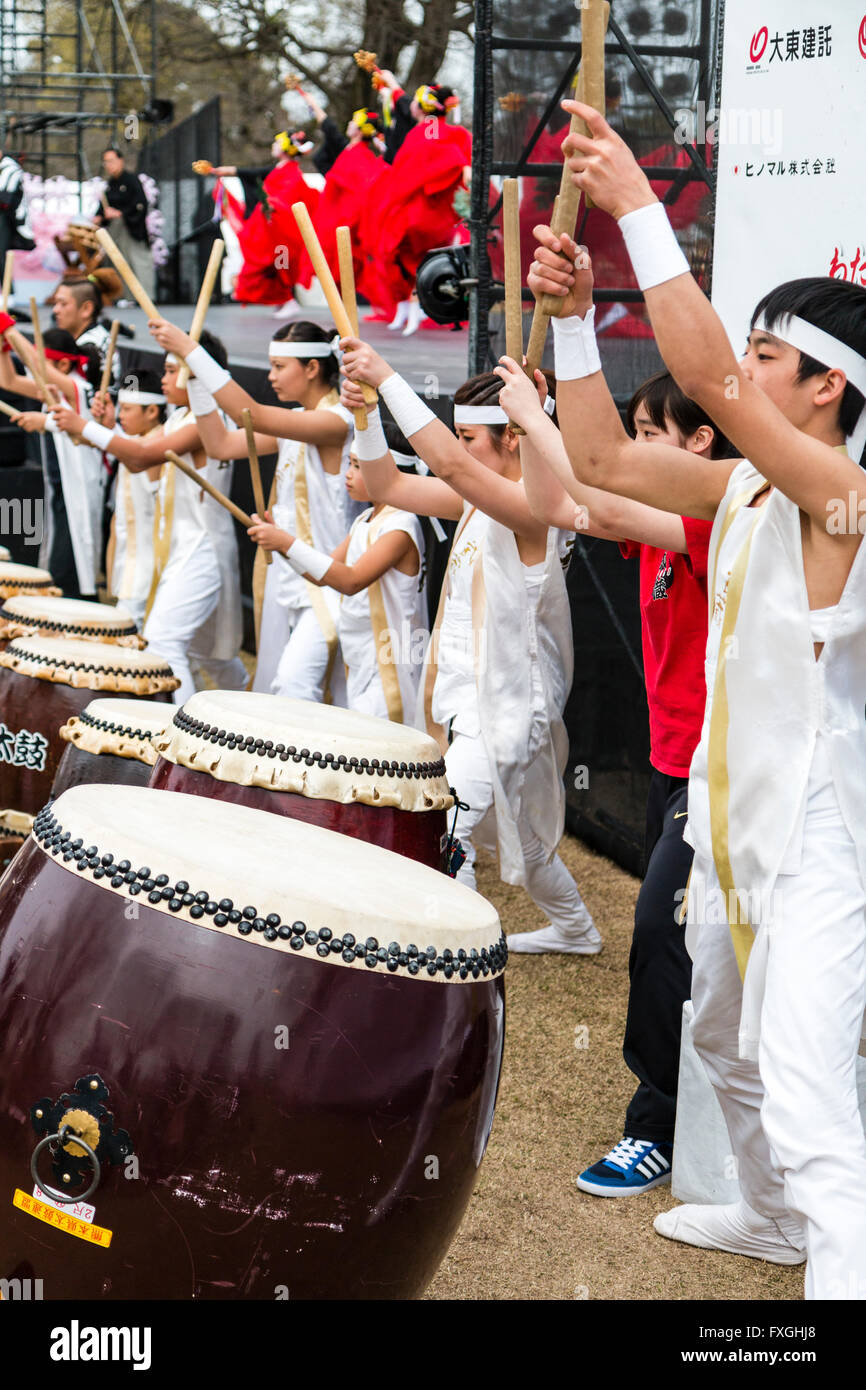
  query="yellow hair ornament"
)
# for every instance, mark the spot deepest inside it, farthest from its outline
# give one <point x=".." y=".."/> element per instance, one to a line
<point x="361" y="117"/>
<point x="427" y="99"/>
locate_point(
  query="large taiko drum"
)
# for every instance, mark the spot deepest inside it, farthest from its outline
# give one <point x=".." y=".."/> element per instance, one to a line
<point x="32" y="615"/>
<point x="25" y="579"/>
<point x="43" y="682"/>
<point x="5" y="554"/>
<point x="278" y="1050"/>
<point x="349" y="772"/>
<point x="110" y="741"/>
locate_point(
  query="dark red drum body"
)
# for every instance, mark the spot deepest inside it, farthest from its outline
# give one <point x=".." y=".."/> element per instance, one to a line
<point x="110" y="741"/>
<point x="296" y="1110"/>
<point x="364" y="777"/>
<point x="44" y="682"/>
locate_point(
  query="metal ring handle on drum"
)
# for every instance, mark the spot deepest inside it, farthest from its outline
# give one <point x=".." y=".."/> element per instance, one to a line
<point x="53" y="1192"/>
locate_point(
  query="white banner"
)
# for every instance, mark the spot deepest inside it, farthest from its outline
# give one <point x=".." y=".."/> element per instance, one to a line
<point x="791" y="154"/>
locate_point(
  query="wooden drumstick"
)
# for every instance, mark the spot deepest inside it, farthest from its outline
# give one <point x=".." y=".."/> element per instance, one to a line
<point x="127" y="274"/>
<point x="203" y="302"/>
<point x="201" y="481"/>
<point x="538" y="327"/>
<point x="513" y="279"/>
<point x="255" y="471"/>
<point x="590" y="90"/>
<point x="40" y="372"/>
<point x="347" y="289"/>
<point x="105" y="381"/>
<point x="10" y="410"/>
<point x="8" y="268"/>
<point x="326" y="280"/>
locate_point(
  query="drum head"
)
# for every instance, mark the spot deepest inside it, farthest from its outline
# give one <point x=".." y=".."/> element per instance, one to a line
<point x="313" y="750"/>
<point x="4" y="553"/>
<point x="122" y="727"/>
<point x="89" y="665"/>
<point x="24" y="579"/>
<point x="26" y="615"/>
<point x="278" y="884"/>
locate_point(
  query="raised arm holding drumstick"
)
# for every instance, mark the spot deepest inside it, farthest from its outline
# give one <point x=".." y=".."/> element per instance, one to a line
<point x="487" y="705"/>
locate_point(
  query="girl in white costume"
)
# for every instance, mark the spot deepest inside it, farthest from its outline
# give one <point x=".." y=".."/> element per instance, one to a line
<point x="778" y="893"/>
<point x="193" y="615"/>
<point x="499" y="663"/>
<point x="378" y="570"/>
<point x="72" y="374"/>
<point x="140" y="414"/>
<point x="297" y="643"/>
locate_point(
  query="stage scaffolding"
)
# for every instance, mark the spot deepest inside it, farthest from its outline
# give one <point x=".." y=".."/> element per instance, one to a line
<point x="661" y="70"/>
<point x="66" y="69"/>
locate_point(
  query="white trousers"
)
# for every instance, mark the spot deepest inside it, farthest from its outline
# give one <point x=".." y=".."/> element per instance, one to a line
<point x="303" y="664"/>
<point x="793" y="1117"/>
<point x="184" y="602"/>
<point x="550" y="885"/>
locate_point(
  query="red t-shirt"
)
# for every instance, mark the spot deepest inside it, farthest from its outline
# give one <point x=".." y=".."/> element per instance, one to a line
<point x="673" y="611"/>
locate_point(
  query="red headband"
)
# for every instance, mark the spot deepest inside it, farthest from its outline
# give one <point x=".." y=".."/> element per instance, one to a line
<point x="54" y="355"/>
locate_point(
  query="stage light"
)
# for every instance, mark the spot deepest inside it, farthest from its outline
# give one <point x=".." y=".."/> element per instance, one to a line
<point x="441" y="284"/>
<point x="675" y="21"/>
<point x="158" y="111"/>
<point x="676" y="84"/>
<point x="640" y="21"/>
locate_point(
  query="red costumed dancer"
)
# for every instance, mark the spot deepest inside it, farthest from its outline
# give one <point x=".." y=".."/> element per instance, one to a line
<point x="352" y="187"/>
<point x="417" y="213"/>
<point x="273" y="252"/>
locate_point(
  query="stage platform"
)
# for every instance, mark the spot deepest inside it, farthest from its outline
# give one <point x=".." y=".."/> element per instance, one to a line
<point x="433" y="361"/>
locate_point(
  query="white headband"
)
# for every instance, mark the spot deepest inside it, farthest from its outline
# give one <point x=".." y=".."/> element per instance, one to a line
<point x="490" y="414"/>
<point x="815" y="342"/>
<point x="479" y="415"/>
<point x="139" y="398"/>
<point x="287" y="348"/>
<point x="172" y="359"/>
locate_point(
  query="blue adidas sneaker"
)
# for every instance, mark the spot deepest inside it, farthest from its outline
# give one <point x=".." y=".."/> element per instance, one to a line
<point x="632" y="1166"/>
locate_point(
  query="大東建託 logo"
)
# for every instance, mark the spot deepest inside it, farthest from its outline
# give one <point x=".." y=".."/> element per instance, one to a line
<point x="861" y="37"/>
<point x="758" y="46"/>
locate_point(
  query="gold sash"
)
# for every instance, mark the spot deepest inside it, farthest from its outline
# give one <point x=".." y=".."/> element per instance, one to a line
<point x="163" y="521"/>
<point x="718" y="778"/>
<point x="432" y="662"/>
<point x="379" y="623"/>
<point x="304" y="532"/>
<point x="125" y="586"/>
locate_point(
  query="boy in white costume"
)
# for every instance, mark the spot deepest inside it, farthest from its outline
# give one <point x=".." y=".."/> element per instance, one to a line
<point x="74" y="514"/>
<point x="298" y="652"/>
<point x="500" y="661"/>
<point x="129" y="562"/>
<point x="378" y="571"/>
<point x="193" y="615"/>
<point x="775" y="795"/>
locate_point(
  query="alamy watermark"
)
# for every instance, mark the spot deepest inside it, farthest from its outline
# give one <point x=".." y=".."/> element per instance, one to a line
<point x="747" y="125"/>
<point x="24" y="517"/>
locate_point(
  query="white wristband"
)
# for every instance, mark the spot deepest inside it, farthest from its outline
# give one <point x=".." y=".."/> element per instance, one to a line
<point x="575" y="351"/>
<point x="371" y="442"/>
<point x="97" y="435"/>
<point x="409" y="411"/>
<point x="655" y="253"/>
<point x="211" y="375"/>
<point x="307" y="561"/>
<point x="201" y="402"/>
